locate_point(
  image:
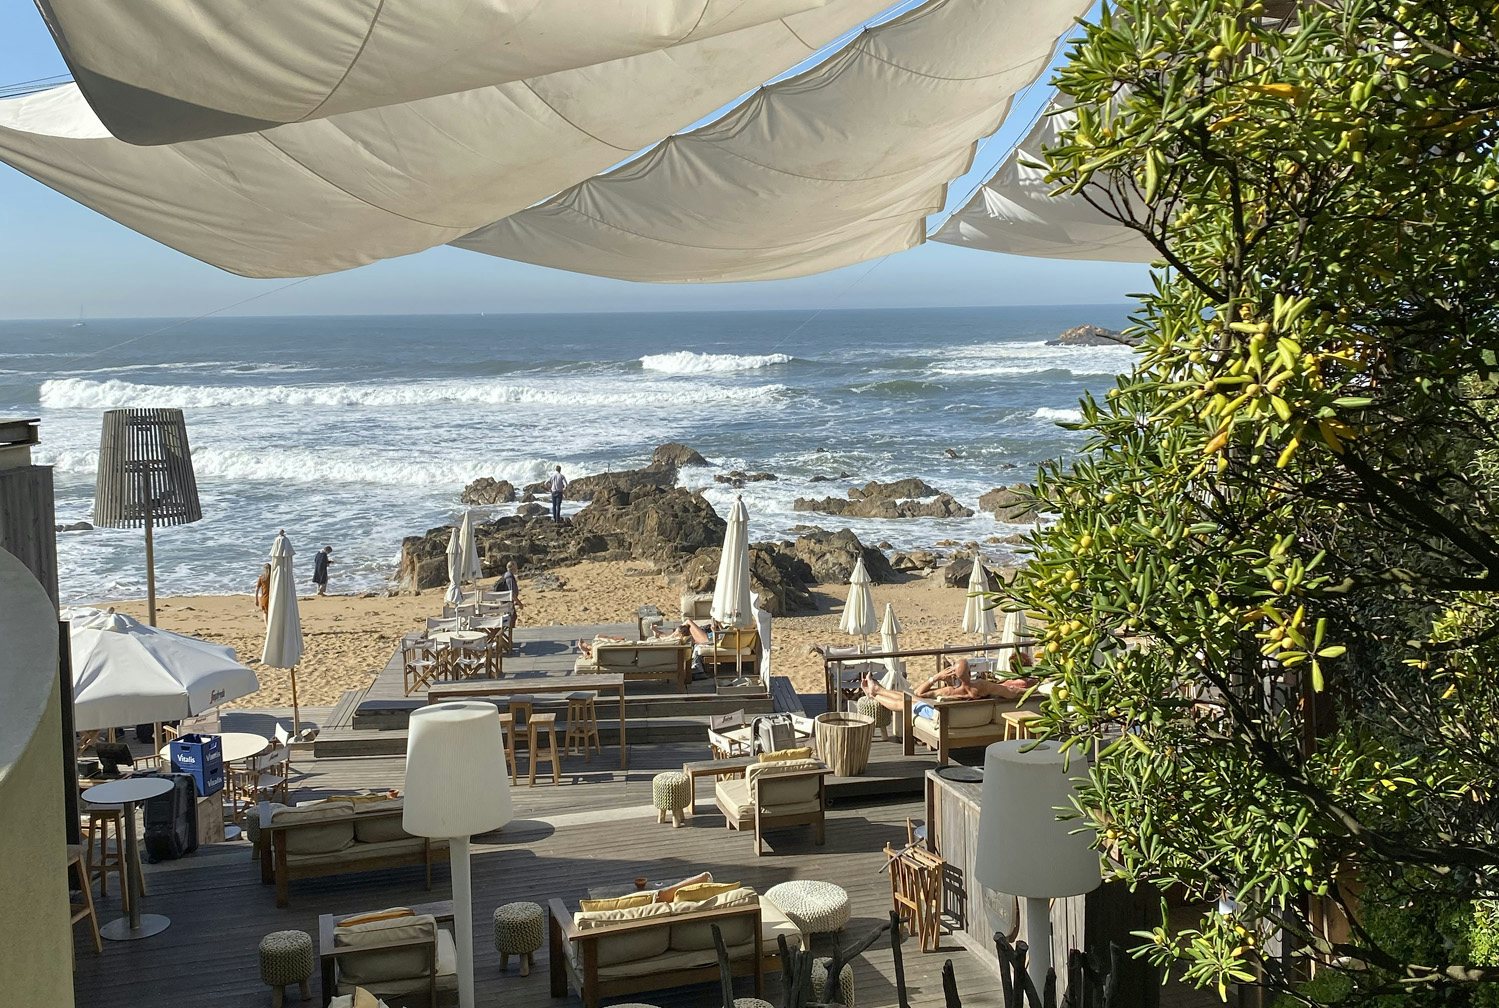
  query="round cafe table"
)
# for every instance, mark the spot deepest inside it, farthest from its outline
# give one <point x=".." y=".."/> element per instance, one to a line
<point x="236" y="746"/>
<point x="458" y="636"/>
<point x="127" y="792"/>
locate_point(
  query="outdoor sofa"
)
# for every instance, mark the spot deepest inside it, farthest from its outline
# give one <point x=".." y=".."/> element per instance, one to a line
<point x="338" y="836"/>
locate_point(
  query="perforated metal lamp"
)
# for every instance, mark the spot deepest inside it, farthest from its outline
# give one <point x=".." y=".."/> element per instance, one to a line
<point x="1023" y="849"/>
<point x="145" y="479"/>
<point x="457" y="785"/>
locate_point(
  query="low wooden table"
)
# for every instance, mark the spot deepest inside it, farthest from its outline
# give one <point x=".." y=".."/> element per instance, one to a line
<point x="524" y="686"/>
<point x="714" y="768"/>
<point x="442" y="910"/>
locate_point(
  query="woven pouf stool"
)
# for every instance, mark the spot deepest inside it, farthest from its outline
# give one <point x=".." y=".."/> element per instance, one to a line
<point x="286" y="958"/>
<point x="752" y="1003"/>
<point x="871" y="708"/>
<point x="820" y="969"/>
<point x="671" y="792"/>
<point x="815" y="907"/>
<point x="518" y="931"/>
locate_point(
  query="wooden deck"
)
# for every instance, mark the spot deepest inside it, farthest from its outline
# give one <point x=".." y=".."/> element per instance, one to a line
<point x="596" y="828"/>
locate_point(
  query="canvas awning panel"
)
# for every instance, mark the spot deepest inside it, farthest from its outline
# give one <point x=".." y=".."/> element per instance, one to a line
<point x="163" y="71"/>
<point x="348" y="189"/>
<point x="834" y="166"/>
<point x="1015" y="212"/>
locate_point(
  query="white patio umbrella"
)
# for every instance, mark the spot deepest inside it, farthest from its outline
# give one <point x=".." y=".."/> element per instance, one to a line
<point x="890" y="638"/>
<point x="283" y="623"/>
<point x="976" y="617"/>
<point x="454" y="596"/>
<point x="469" y="545"/>
<point x="126" y="673"/>
<point x="731" y="589"/>
<point x="1012" y="631"/>
<point x="858" y="612"/>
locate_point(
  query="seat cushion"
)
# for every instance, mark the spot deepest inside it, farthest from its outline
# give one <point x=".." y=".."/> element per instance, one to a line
<point x="324" y="828"/>
<point x="969" y="713"/>
<point x="775" y="924"/>
<point x="379" y="824"/>
<point x="447" y="973"/>
<point x="733" y="797"/>
<point x="379" y="965"/>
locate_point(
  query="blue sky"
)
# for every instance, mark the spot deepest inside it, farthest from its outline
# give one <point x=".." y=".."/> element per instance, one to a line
<point x="59" y="259"/>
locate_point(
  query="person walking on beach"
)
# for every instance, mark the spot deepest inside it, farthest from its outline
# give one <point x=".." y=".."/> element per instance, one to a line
<point x="557" y="484"/>
<point x="263" y="591"/>
<point x="320" y="561"/>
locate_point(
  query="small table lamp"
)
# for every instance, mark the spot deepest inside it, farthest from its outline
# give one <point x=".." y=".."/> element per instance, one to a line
<point x="457" y="784"/>
<point x="1023" y="849"/>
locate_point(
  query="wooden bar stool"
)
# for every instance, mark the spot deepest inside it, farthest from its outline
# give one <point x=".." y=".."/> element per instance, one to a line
<point x="1018" y="724"/>
<point x="582" y="724"/>
<point x="85" y="886"/>
<point x="507" y="732"/>
<point x="544" y="727"/>
<point x="103" y="823"/>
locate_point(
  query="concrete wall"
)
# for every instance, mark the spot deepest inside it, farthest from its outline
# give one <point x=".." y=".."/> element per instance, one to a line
<point x="35" y="939"/>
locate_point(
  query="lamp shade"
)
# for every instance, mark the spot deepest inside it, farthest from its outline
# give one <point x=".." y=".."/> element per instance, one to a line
<point x="145" y="470"/>
<point x="457" y="783"/>
<point x="1023" y="849"/>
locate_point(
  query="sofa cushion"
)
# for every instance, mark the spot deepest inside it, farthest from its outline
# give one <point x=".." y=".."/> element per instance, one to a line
<point x="620" y="902"/>
<point x="699" y="891"/>
<point x="320" y="828"/>
<point x="350" y="857"/>
<point x="733" y="797"/>
<point x="447" y="973"/>
<point x="378" y="823"/>
<point x="756" y="771"/>
<point x="969" y="713"/>
<point x="783" y="755"/>
<point x="381" y="964"/>
<point x="689" y="936"/>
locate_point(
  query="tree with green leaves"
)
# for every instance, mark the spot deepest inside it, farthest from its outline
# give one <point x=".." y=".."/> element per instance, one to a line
<point x="1270" y="587"/>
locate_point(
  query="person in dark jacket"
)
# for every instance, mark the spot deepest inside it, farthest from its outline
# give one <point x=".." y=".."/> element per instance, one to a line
<point x="320" y="562"/>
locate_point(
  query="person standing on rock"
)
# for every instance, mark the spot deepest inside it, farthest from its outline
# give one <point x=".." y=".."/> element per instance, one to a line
<point x="320" y="561"/>
<point x="557" y="484"/>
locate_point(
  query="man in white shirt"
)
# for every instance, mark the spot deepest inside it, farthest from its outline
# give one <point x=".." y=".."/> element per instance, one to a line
<point x="557" y="484"/>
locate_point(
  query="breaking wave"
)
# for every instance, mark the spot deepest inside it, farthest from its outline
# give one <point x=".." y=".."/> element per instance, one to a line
<point x="688" y="362"/>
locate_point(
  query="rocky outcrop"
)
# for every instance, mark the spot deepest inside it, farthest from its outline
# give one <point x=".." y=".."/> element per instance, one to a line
<point x="957" y="571"/>
<point x="780" y="580"/>
<point x="1013" y="503"/>
<point x="901" y="489"/>
<point x="941" y="506"/>
<point x="830" y="557"/>
<point x="487" y="490"/>
<point x="1092" y="335"/>
<point x="738" y="477"/>
<point x="675" y="455"/>
<point x="663" y="526"/>
<point x="77" y="526"/>
<point x="915" y="561"/>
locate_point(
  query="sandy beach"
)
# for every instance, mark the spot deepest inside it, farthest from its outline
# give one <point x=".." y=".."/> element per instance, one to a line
<point x="348" y="638"/>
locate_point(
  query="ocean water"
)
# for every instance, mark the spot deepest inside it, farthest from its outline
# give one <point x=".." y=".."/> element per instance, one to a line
<point x="356" y="431"/>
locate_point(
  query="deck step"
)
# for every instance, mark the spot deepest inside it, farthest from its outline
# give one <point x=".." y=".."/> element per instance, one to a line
<point x="392" y="742"/>
<point x="392" y="715"/>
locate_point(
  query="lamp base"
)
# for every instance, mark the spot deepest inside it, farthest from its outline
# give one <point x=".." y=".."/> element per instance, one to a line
<point x="1038" y="937"/>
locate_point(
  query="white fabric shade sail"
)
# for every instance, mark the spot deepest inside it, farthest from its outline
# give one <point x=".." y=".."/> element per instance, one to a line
<point x="239" y="66"/>
<point x="731" y="590"/>
<point x="354" y="187"/>
<point x="837" y="165"/>
<point x="127" y="673"/>
<point x="1014" y="211"/>
<point x="978" y="618"/>
<point x="858" y="618"/>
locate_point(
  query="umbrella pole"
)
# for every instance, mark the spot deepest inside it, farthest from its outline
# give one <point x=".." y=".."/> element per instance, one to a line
<point x="150" y="570"/>
<point x="296" y="716"/>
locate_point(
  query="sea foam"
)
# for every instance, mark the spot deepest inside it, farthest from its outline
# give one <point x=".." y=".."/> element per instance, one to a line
<point x="79" y="393"/>
<point x="333" y="465"/>
<point x="1061" y="415"/>
<point x="688" y="362"/>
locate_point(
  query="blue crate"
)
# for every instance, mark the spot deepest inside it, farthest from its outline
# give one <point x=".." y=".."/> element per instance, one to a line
<point x="202" y="758"/>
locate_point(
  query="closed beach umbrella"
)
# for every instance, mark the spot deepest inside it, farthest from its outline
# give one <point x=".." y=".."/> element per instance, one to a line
<point x="858" y="612"/>
<point x="127" y="673"/>
<point x="977" y="617"/>
<point x="890" y="637"/>
<point x="469" y="544"/>
<point x="283" y="622"/>
<point x="731" y="591"/>
<point x="454" y="594"/>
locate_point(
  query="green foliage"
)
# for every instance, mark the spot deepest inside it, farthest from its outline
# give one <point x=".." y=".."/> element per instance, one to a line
<point x="1290" y="507"/>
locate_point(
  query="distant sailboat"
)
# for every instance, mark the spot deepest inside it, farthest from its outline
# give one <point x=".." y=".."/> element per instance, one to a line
<point x="80" y="324"/>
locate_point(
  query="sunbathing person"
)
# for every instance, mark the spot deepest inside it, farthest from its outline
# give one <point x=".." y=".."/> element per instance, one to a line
<point x="955" y="682"/>
<point x="690" y="630"/>
<point x="587" y="646"/>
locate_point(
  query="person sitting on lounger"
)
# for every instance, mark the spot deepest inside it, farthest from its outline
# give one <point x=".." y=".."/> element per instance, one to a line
<point x="587" y="646"/>
<point x="954" y="682"/>
<point x="689" y="630"/>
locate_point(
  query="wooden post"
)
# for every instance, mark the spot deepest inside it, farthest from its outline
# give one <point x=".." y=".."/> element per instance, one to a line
<point x="150" y="567"/>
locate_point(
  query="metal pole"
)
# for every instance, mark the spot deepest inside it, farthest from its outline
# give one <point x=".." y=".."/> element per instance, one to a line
<point x="150" y="560"/>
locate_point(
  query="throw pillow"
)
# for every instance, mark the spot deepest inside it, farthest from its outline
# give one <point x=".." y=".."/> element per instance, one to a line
<point x="619" y="903"/>
<point x="781" y="755"/>
<point x="378" y="915"/>
<point x="699" y="891"/>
